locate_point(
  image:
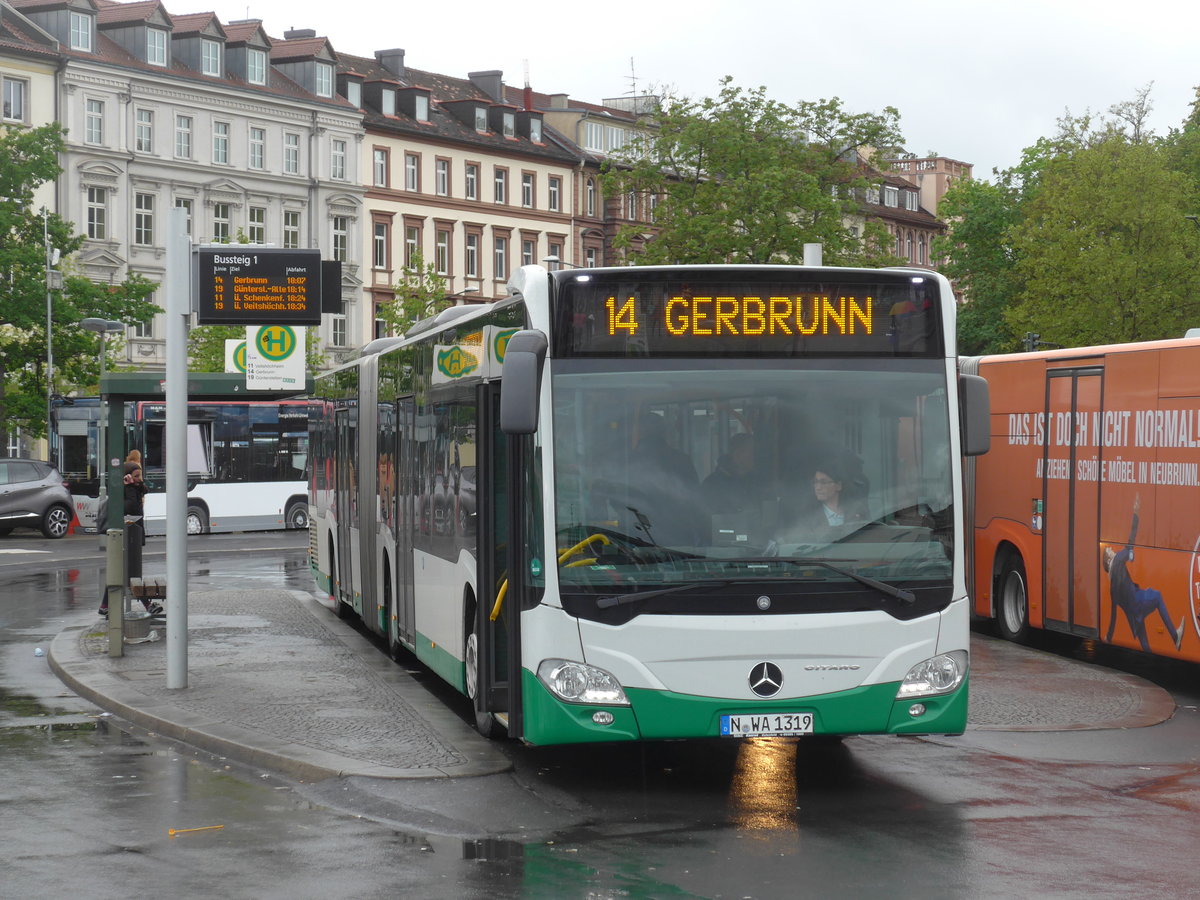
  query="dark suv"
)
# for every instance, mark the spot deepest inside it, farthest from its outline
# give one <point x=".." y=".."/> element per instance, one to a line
<point x="33" y="495"/>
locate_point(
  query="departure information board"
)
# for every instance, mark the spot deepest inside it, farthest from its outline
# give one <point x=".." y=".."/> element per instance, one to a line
<point x="258" y="286"/>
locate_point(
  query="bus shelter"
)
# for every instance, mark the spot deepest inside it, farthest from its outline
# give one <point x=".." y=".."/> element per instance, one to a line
<point x="119" y="388"/>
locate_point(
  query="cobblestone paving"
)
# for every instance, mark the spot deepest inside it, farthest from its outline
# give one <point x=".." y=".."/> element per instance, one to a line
<point x="300" y="684"/>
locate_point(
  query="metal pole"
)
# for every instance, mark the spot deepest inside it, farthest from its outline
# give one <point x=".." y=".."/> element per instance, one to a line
<point x="114" y="591"/>
<point x="178" y="284"/>
<point x="50" y="454"/>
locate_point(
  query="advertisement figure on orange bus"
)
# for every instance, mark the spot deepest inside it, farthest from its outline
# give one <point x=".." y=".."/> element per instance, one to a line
<point x="1137" y="602"/>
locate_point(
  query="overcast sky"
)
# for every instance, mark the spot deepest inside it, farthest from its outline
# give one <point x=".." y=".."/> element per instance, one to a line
<point x="973" y="81"/>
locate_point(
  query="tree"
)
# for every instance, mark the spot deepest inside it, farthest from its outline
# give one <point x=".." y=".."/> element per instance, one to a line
<point x="28" y="159"/>
<point x="741" y="178"/>
<point x="420" y="293"/>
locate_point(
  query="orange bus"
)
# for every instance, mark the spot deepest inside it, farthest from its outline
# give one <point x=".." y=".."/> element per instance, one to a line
<point x="1086" y="510"/>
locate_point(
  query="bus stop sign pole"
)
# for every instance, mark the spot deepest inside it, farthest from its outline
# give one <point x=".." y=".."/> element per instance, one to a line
<point x="178" y="305"/>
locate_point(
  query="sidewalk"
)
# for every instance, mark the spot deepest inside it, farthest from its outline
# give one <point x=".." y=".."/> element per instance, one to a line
<point x="276" y="680"/>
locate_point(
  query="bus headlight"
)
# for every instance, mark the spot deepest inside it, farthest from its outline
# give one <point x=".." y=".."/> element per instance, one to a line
<point x="577" y="682"/>
<point x="939" y="674"/>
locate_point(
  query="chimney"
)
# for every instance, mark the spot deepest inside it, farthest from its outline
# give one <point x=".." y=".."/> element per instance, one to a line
<point x="558" y="101"/>
<point x="392" y="60"/>
<point x="297" y="33"/>
<point x="490" y="83"/>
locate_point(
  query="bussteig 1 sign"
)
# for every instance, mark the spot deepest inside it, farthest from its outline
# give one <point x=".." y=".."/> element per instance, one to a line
<point x="258" y="285"/>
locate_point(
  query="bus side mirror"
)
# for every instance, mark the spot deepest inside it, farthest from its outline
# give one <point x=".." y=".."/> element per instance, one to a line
<point x="975" y="414"/>
<point x="520" y="385"/>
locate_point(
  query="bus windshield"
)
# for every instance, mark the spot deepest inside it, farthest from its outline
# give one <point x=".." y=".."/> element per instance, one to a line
<point x="828" y="479"/>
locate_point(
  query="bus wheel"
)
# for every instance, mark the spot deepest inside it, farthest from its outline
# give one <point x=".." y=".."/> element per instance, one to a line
<point x="1012" y="614"/>
<point x="395" y="648"/>
<point x="485" y="722"/>
<point x="197" y="520"/>
<point x="296" y="516"/>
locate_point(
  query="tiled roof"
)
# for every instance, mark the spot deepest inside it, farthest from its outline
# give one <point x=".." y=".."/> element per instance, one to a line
<point x="129" y="12"/>
<point x="194" y="23"/>
<point x="20" y="36"/>
<point x="240" y="32"/>
<point x="299" y="48"/>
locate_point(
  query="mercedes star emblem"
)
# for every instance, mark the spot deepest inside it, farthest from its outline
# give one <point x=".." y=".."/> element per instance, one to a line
<point x="766" y="679"/>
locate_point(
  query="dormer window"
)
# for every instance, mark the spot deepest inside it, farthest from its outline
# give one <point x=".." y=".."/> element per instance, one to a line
<point x="422" y="108"/>
<point x="210" y="58"/>
<point x="156" y="47"/>
<point x="256" y="66"/>
<point x="324" y="80"/>
<point x="354" y="93"/>
<point x="535" y="130"/>
<point x="387" y="102"/>
<point x="81" y="32"/>
<point x="510" y="125"/>
<point x="481" y="120"/>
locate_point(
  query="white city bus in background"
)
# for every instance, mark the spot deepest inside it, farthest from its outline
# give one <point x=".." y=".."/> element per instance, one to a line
<point x="246" y="462"/>
<point x="522" y="495"/>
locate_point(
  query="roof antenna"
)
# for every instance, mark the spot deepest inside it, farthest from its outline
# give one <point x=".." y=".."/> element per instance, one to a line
<point x="528" y="96"/>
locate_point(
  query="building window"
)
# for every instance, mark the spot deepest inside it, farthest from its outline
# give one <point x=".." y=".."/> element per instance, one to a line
<point x="442" y="177"/>
<point x="873" y="193"/>
<point x="14" y="100"/>
<point x="555" y="188"/>
<point x="891" y="196"/>
<point x="144" y="329"/>
<point x="527" y="189"/>
<point x="387" y="103"/>
<point x="501" y="185"/>
<point x="379" y="248"/>
<point x="921" y="250"/>
<point x="556" y="250"/>
<point x="258" y="147"/>
<point x="614" y="138"/>
<point x="337" y="161"/>
<point x="93" y="122"/>
<point x="501" y="258"/>
<point x="472" y="174"/>
<point x="185" y="203"/>
<point x="412" y="172"/>
<point x="143" y="219"/>
<point x="291" y="230"/>
<point x="143" y="131"/>
<point x="324" y="80"/>
<point x="631" y="205"/>
<point x="910" y="201"/>
<point x="210" y="58"/>
<point x="591" y="258"/>
<point x="221" y="220"/>
<point x="257" y="228"/>
<point x="441" y="252"/>
<point x="256" y="66"/>
<point x="422" y="107"/>
<point x="354" y="93"/>
<point x="908" y="242"/>
<point x="81" y="32"/>
<point x="528" y="251"/>
<point x="379" y="167"/>
<point x="472" y="254"/>
<point x="535" y="130"/>
<point x="183" y="137"/>
<point x="156" y="46"/>
<point x="97" y="213"/>
<point x="291" y="154"/>
<point x="341" y="238"/>
<point x="221" y="143"/>
<point x="338" y="324"/>
<point x="593" y="136"/>
<point x="591" y="196"/>
<point x="510" y="124"/>
<point x="412" y="245"/>
<point x="652" y="202"/>
<point x="481" y="120"/>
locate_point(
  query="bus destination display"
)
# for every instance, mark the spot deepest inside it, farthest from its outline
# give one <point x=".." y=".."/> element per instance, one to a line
<point x="676" y="316"/>
<point x="259" y="286"/>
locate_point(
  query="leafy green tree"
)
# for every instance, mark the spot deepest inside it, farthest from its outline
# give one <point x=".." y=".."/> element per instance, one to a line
<point x="420" y="293"/>
<point x="742" y="178"/>
<point x="28" y="159"/>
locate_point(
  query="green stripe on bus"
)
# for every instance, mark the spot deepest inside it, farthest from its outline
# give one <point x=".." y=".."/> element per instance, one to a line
<point x="444" y="665"/>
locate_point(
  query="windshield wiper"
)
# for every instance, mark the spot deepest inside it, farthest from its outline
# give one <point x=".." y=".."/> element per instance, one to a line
<point x="882" y="586"/>
<point x="636" y="596"/>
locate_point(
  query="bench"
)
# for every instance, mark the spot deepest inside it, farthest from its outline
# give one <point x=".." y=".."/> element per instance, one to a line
<point x="153" y="588"/>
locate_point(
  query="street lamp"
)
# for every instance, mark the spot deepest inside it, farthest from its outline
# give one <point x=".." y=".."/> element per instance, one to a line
<point x="555" y="261"/>
<point x="102" y="327"/>
<point x="53" y="282"/>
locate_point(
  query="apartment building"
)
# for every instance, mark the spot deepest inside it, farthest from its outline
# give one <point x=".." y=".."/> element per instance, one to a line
<point x="245" y="133"/>
<point x="933" y="176"/>
<point x="28" y="63"/>
<point x="456" y="175"/>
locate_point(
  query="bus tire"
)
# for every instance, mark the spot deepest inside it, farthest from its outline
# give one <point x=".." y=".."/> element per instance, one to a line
<point x="296" y="515"/>
<point x="485" y="723"/>
<point x="197" y="519"/>
<point x="344" y="611"/>
<point x="1012" y="600"/>
<point x="391" y="621"/>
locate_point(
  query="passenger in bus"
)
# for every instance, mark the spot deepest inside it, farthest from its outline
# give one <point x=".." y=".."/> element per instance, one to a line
<point x="836" y="502"/>
<point x="1137" y="602"/>
<point x="733" y="486"/>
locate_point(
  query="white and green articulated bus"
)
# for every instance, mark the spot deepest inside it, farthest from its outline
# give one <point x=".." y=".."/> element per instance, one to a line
<point x="664" y="502"/>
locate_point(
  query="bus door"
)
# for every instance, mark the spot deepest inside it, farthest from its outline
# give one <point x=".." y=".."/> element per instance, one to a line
<point x="493" y="501"/>
<point x="1071" y="491"/>
<point x="345" y="505"/>
<point x="406" y="511"/>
